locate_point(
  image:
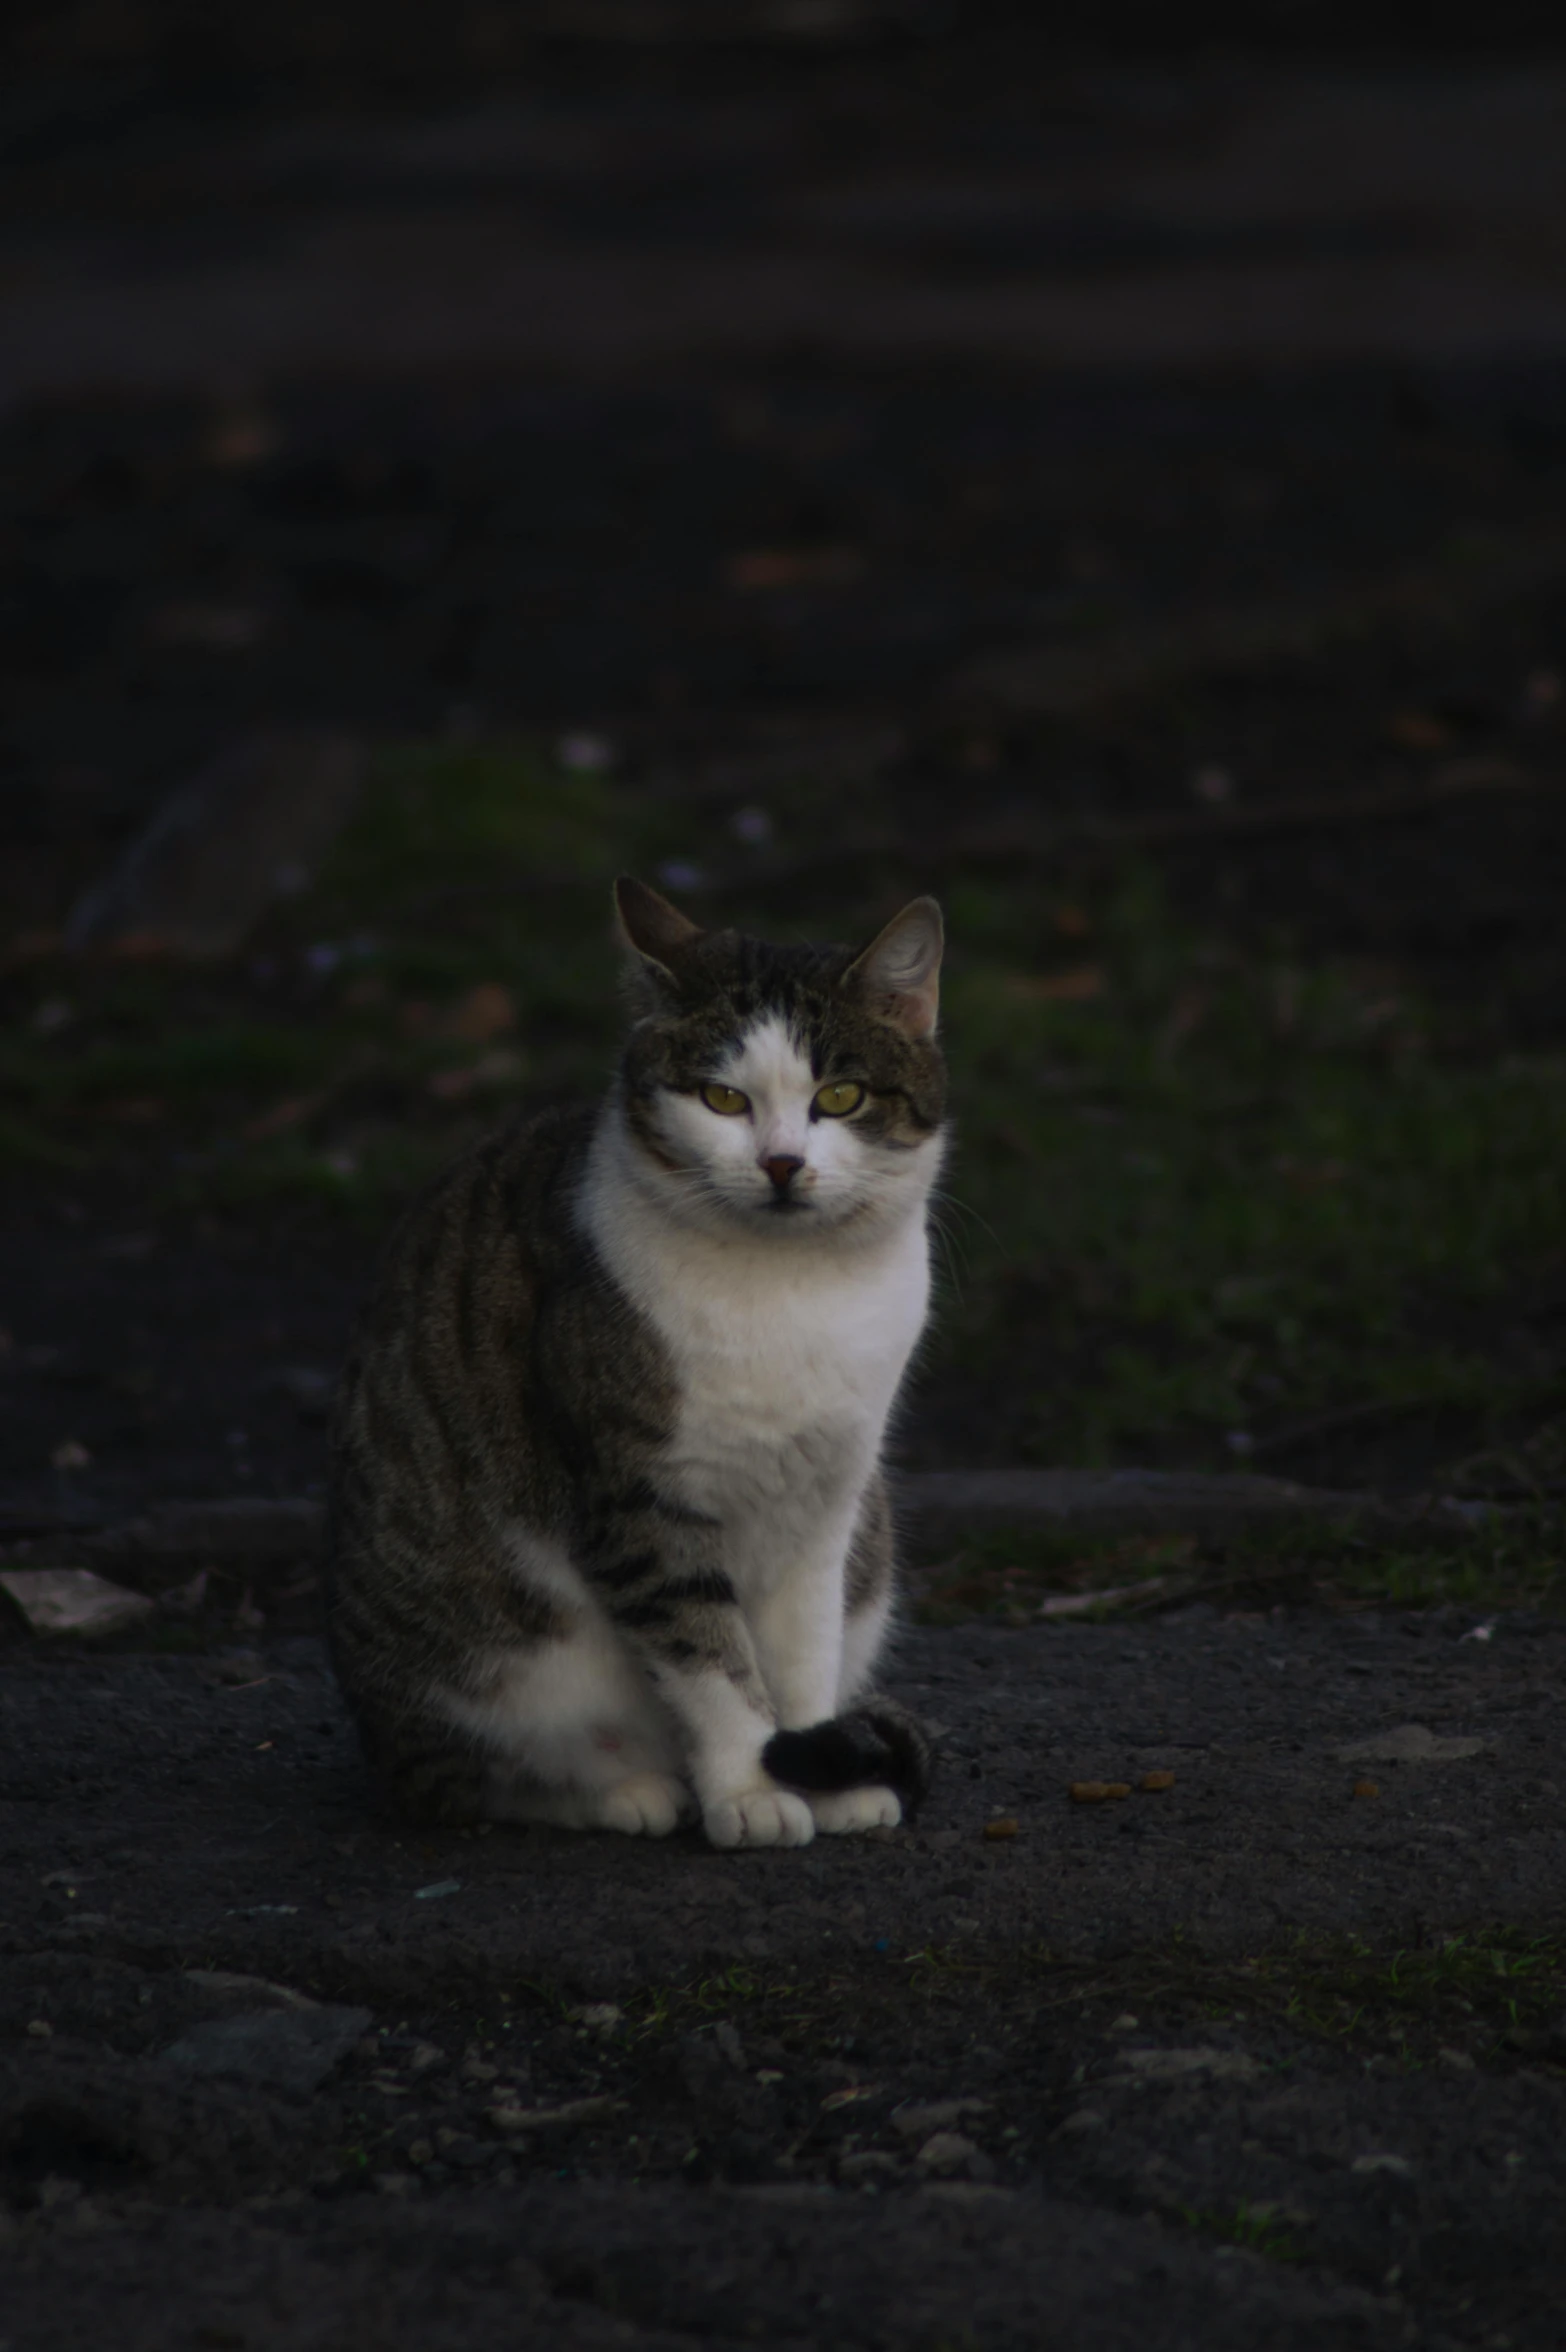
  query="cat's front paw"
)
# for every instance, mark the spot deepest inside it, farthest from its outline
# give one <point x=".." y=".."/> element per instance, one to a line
<point x="840" y="1812"/>
<point x="759" y="1817"/>
<point x="649" y="1804"/>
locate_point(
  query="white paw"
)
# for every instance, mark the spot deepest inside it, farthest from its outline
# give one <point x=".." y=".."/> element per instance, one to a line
<point x="647" y="1805"/>
<point x="759" y="1817"/>
<point x="845" y="1810"/>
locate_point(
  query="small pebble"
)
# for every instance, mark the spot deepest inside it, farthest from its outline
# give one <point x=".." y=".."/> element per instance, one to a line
<point x="1154" y="1782"/>
<point x="1003" y="1826"/>
<point x="1098" y="1792"/>
<point x="40" y="2031"/>
<point x="1085" y="2119"/>
<point x="1367" y="1788"/>
<point x="946" y="2151"/>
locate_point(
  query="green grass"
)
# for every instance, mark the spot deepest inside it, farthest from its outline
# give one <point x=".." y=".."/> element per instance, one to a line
<point x="1259" y="2228"/>
<point x="1516" y="1562"/>
<point x="1199" y="1194"/>
<point x="1222" y="1192"/>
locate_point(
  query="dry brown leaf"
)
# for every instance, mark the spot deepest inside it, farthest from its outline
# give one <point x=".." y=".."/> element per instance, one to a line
<point x="486" y="1012"/>
<point x="72" y="1600"/>
<point x="793" y="567"/>
<point x="1080" y="985"/>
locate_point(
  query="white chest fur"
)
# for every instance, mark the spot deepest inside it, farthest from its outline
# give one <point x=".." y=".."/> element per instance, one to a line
<point x="787" y="1354"/>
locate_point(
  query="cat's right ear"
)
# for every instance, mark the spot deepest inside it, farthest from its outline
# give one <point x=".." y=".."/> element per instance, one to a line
<point x="654" y="931"/>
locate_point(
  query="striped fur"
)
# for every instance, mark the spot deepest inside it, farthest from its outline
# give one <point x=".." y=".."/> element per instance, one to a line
<point x="608" y="1514"/>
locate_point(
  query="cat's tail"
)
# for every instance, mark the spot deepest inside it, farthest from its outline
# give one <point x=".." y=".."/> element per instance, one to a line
<point x="876" y="1744"/>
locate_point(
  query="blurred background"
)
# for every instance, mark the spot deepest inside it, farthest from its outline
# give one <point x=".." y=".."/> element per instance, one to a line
<point x="1105" y="465"/>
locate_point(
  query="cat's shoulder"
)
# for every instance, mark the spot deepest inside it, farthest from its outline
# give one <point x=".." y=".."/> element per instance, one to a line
<point x="518" y="1184"/>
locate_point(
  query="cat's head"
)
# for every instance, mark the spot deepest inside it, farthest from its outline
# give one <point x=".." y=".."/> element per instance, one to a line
<point x="786" y="1091"/>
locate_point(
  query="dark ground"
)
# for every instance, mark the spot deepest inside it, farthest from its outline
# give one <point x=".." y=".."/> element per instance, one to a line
<point x="955" y="455"/>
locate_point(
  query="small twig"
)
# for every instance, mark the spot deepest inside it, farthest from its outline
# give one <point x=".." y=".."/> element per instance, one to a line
<point x="1282" y="1441"/>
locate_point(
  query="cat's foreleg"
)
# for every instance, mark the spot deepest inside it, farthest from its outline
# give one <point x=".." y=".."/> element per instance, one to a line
<point x="674" y="1605"/>
<point x="796" y="1622"/>
<point x="836" y="1765"/>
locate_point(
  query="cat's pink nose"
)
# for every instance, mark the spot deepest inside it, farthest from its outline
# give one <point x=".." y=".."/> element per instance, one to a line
<point x="783" y="1167"/>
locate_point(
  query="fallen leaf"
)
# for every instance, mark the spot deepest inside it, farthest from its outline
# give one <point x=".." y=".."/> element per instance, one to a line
<point x="1098" y="1792"/>
<point x="1079" y="985"/>
<point x="1078" y="1604"/>
<point x="793" y="567"/>
<point x="1152" y="2066"/>
<point x="850" y="2097"/>
<point x="1003" y="1826"/>
<point x="516" y="2119"/>
<point x="1156" y="1782"/>
<point x="292" y="1112"/>
<point x="1366" y="1788"/>
<point x="486" y="1012"/>
<point x="1419" y="730"/>
<point x="72" y="1600"/>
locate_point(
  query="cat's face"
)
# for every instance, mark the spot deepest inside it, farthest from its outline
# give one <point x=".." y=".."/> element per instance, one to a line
<point x="785" y="1091"/>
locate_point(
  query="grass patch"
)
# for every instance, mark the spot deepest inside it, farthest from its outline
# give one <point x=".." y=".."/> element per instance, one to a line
<point x="1260" y="2228"/>
<point x="1201" y="1195"/>
<point x="1515" y="1562"/>
<point x="1220" y="1194"/>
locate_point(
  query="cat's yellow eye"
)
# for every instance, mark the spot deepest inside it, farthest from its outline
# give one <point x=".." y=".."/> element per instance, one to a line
<point x="727" y="1101"/>
<point x="837" y="1100"/>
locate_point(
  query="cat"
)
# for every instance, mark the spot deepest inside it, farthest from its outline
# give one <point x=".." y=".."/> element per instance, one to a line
<point x="610" y="1537"/>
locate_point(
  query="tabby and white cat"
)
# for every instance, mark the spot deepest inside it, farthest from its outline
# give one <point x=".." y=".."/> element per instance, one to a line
<point x="610" y="1534"/>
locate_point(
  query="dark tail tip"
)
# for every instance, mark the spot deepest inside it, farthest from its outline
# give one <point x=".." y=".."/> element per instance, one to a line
<point x="878" y="1744"/>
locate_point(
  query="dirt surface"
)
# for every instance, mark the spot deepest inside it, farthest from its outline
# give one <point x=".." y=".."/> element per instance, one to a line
<point x="1126" y="495"/>
<point x="1049" y="2085"/>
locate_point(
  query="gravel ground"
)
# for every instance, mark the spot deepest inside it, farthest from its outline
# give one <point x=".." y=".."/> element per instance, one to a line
<point x="1063" y="2085"/>
<point x="765" y="415"/>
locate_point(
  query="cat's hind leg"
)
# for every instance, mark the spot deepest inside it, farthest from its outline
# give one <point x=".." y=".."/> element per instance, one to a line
<point x="647" y="1804"/>
<point x="574" y="1734"/>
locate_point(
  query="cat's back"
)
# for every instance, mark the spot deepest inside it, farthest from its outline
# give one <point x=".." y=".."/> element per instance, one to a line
<point x="485" y="1279"/>
<point x="483" y="1243"/>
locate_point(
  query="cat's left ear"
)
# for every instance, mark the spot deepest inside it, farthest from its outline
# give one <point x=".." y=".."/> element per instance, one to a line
<point x="899" y="973"/>
<point x="651" y="927"/>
